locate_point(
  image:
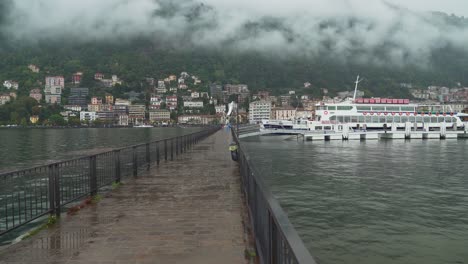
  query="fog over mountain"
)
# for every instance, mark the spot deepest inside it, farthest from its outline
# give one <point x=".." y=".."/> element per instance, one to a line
<point x="309" y="28"/>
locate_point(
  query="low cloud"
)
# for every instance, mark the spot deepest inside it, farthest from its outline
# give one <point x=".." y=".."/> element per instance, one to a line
<point x="368" y="31"/>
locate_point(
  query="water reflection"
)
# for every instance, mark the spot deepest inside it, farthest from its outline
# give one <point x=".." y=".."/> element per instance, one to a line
<point x="372" y="201"/>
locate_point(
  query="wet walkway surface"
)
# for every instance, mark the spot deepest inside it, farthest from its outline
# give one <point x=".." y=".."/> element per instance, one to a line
<point x="184" y="211"/>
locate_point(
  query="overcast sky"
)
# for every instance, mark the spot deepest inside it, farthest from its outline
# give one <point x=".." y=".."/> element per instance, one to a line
<point x="298" y="25"/>
<point x="458" y="7"/>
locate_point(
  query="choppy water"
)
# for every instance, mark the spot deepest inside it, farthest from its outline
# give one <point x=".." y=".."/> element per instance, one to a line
<point x="20" y="148"/>
<point x="372" y="202"/>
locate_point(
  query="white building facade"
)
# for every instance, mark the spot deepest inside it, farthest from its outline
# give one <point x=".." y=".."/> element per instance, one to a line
<point x="259" y="110"/>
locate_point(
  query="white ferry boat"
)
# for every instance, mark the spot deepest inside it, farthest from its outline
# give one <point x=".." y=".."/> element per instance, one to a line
<point x="382" y="113"/>
<point x="375" y="114"/>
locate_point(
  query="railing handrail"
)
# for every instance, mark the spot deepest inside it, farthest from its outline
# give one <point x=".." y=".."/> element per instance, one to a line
<point x="280" y="217"/>
<point x="95" y="154"/>
<point x="86" y="175"/>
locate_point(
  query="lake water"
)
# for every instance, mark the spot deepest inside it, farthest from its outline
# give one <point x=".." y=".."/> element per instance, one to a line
<point x="24" y="148"/>
<point x="373" y="201"/>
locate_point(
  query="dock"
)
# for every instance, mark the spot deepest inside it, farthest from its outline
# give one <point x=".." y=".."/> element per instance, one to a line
<point x="307" y="135"/>
<point x="188" y="210"/>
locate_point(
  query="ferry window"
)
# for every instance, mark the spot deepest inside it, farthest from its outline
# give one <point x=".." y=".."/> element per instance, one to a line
<point x="363" y="108"/>
<point x="332" y="108"/>
<point x="322" y="108"/>
<point x="448" y="119"/>
<point x="375" y="119"/>
<point x="427" y="119"/>
<point x="404" y="119"/>
<point x="407" y="108"/>
<point x="347" y="119"/>
<point x="396" y="119"/>
<point x="440" y="119"/>
<point x="454" y="120"/>
<point x="419" y="119"/>
<point x="354" y="119"/>
<point x="344" y="107"/>
<point x="332" y="118"/>
<point x="340" y="119"/>
<point x="318" y="128"/>
<point x="393" y="108"/>
<point x="378" y="108"/>
<point x="389" y="119"/>
<point x="361" y="119"/>
<point x="327" y="128"/>
<point x="411" y="119"/>
<point x="433" y="119"/>
<point x="382" y="119"/>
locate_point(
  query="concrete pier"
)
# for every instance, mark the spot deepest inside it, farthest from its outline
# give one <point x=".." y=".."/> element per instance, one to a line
<point x="185" y="211"/>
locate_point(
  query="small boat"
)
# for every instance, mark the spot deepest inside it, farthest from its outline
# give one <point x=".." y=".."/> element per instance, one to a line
<point x="143" y="126"/>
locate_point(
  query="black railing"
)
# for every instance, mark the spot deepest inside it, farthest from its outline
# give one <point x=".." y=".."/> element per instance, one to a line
<point x="275" y="237"/>
<point x="28" y="194"/>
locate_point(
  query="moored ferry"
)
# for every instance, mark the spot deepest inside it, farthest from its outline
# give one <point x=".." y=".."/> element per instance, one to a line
<point x="382" y="113"/>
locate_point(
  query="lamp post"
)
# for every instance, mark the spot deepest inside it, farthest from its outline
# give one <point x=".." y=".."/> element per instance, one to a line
<point x="237" y="113"/>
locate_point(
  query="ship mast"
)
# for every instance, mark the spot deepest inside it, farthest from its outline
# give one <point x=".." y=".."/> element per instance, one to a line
<point x="356" y="86"/>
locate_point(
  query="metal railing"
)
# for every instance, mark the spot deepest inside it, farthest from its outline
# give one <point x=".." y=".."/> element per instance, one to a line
<point x="275" y="237"/>
<point x="28" y="194"/>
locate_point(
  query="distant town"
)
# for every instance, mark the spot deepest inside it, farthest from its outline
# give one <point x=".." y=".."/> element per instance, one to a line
<point x="185" y="99"/>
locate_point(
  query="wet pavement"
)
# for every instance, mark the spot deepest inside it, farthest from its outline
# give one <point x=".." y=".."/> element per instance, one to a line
<point x="185" y="211"/>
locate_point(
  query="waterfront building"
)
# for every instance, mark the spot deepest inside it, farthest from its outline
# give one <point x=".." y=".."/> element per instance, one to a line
<point x="76" y="108"/>
<point x="155" y="102"/>
<point x="161" y="90"/>
<point x="36" y="94"/>
<point x="9" y="84"/>
<point x="259" y="110"/>
<point x="120" y="101"/>
<point x="78" y="96"/>
<point x="136" y="114"/>
<point x="54" y="86"/>
<point x="33" y="68"/>
<point x="96" y="100"/>
<point x="197" y="119"/>
<point x="108" y="117"/>
<point x="109" y="99"/>
<point x="55" y="81"/>
<point x="88" y="116"/>
<point x="34" y="119"/>
<point x="216" y="90"/>
<point x="171" y="102"/>
<point x="120" y="109"/>
<point x="220" y="109"/>
<point x="194" y="104"/>
<point x="123" y="120"/>
<point x="76" y="78"/>
<point x="195" y="95"/>
<point x="283" y="113"/>
<point x="94" y="107"/>
<point x="159" y="115"/>
<point x="98" y="76"/>
<point x="4" y="98"/>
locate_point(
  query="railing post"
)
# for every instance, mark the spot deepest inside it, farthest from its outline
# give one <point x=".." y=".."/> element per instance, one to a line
<point x="157" y="153"/>
<point x="117" y="165"/>
<point x="165" y="149"/>
<point x="54" y="190"/>
<point x="184" y="143"/>
<point x="148" y="157"/>
<point x="172" y="149"/>
<point x="177" y="146"/>
<point x="273" y="245"/>
<point x="135" y="162"/>
<point x="92" y="175"/>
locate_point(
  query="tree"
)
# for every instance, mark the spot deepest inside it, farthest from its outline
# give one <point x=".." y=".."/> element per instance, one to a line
<point x="57" y="120"/>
